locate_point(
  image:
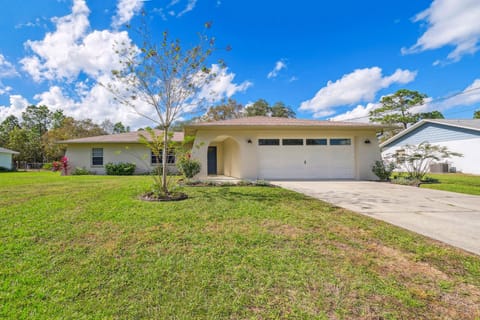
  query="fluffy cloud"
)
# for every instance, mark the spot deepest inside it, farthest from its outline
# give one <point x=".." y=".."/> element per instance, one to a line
<point x="126" y="9"/>
<point x="16" y="107"/>
<point x="279" y="65"/>
<point x="71" y="50"/>
<point x="358" y="114"/>
<point x="450" y="22"/>
<point x="360" y="85"/>
<point x="76" y="61"/>
<point x="7" y="69"/>
<point x="222" y="86"/>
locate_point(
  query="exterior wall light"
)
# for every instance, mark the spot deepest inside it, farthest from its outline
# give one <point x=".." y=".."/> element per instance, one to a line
<point x="249" y="141"/>
<point x="367" y="141"/>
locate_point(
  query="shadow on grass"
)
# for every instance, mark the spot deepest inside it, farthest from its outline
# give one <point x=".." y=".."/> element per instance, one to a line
<point x="244" y="194"/>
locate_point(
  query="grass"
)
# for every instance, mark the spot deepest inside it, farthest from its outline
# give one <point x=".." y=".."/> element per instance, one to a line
<point x="455" y="182"/>
<point x="85" y="247"/>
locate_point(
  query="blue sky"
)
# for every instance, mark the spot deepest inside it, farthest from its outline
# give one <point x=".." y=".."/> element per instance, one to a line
<point x="327" y="60"/>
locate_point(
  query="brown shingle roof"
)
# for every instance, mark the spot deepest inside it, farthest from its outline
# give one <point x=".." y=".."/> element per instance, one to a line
<point x="282" y="122"/>
<point x="129" y="137"/>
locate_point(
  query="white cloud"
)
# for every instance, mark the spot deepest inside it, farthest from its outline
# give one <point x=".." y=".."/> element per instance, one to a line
<point x="358" y="114"/>
<point x="7" y="69"/>
<point x="126" y="9"/>
<point x="450" y="22"/>
<point x="222" y="86"/>
<point x="360" y="85"/>
<point x="279" y="65"/>
<point x="469" y="96"/>
<point x="190" y="6"/>
<point x="71" y="50"/>
<point x="16" y="107"/>
<point x="292" y="79"/>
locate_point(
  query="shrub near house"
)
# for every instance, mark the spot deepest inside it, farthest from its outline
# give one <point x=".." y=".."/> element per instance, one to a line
<point x="120" y="169"/>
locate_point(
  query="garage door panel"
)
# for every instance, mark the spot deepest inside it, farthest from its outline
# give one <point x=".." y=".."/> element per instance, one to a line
<point x="306" y="162"/>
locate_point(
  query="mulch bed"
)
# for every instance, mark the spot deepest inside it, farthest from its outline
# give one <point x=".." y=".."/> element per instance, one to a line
<point x="177" y="196"/>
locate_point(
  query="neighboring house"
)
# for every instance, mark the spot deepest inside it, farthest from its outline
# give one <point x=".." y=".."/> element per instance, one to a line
<point x="93" y="153"/>
<point x="280" y="148"/>
<point x="6" y="158"/>
<point x="461" y="136"/>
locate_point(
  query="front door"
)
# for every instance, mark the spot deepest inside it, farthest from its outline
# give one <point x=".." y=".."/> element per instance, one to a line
<point x="212" y="160"/>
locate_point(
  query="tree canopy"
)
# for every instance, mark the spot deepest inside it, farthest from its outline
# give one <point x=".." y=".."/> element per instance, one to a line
<point x="262" y="108"/>
<point x="36" y="135"/>
<point x="396" y="109"/>
<point x="476" y="114"/>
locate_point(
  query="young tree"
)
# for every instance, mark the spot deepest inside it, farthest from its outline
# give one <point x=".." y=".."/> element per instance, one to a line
<point x="416" y="159"/>
<point x="161" y="81"/>
<point x="396" y="108"/>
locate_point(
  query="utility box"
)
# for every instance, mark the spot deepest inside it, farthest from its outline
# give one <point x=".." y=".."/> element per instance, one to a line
<point x="439" y="168"/>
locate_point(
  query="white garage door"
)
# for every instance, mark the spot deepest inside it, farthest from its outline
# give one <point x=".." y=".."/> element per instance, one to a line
<point x="322" y="158"/>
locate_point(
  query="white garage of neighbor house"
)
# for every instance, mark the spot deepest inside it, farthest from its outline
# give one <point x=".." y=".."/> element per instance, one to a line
<point x="462" y="136"/>
<point x="278" y="148"/>
<point x="93" y="153"/>
<point x="6" y="158"/>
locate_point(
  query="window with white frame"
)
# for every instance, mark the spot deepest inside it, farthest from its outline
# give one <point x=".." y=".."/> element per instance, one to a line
<point x="97" y="156"/>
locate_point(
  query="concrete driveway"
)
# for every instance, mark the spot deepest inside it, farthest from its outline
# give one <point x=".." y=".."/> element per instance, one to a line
<point x="450" y="217"/>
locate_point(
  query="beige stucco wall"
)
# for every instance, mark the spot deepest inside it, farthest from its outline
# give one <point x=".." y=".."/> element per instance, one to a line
<point x="240" y="159"/>
<point x="80" y="155"/>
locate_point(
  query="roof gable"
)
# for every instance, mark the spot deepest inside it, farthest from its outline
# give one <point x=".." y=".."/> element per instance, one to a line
<point x="436" y="130"/>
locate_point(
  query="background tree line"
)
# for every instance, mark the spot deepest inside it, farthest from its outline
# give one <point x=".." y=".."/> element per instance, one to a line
<point x="231" y="109"/>
<point x="36" y="133"/>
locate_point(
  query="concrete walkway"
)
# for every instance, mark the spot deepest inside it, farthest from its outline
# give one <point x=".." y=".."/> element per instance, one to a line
<point x="449" y="217"/>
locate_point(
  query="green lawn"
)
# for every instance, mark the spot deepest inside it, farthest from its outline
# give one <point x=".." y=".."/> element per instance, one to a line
<point x="84" y="247"/>
<point x="455" y="182"/>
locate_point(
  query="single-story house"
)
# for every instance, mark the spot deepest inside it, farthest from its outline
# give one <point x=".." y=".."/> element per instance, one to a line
<point x="6" y="158"/>
<point x="93" y="153"/>
<point x="279" y="148"/>
<point x="249" y="148"/>
<point x="461" y="136"/>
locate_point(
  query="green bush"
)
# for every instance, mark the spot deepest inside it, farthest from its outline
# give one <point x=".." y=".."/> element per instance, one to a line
<point x="120" y="169"/>
<point x="406" y="181"/>
<point x="47" y="166"/>
<point x="383" y="169"/>
<point x="188" y="167"/>
<point x="80" y="172"/>
<point x="3" y="169"/>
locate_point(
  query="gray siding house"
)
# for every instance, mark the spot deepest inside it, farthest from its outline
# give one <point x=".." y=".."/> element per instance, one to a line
<point x="461" y="136"/>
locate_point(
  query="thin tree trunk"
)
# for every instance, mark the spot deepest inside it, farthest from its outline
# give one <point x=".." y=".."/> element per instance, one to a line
<point x="164" y="159"/>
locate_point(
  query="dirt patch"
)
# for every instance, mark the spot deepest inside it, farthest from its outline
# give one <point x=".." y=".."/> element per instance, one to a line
<point x="286" y="230"/>
<point x="446" y="297"/>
